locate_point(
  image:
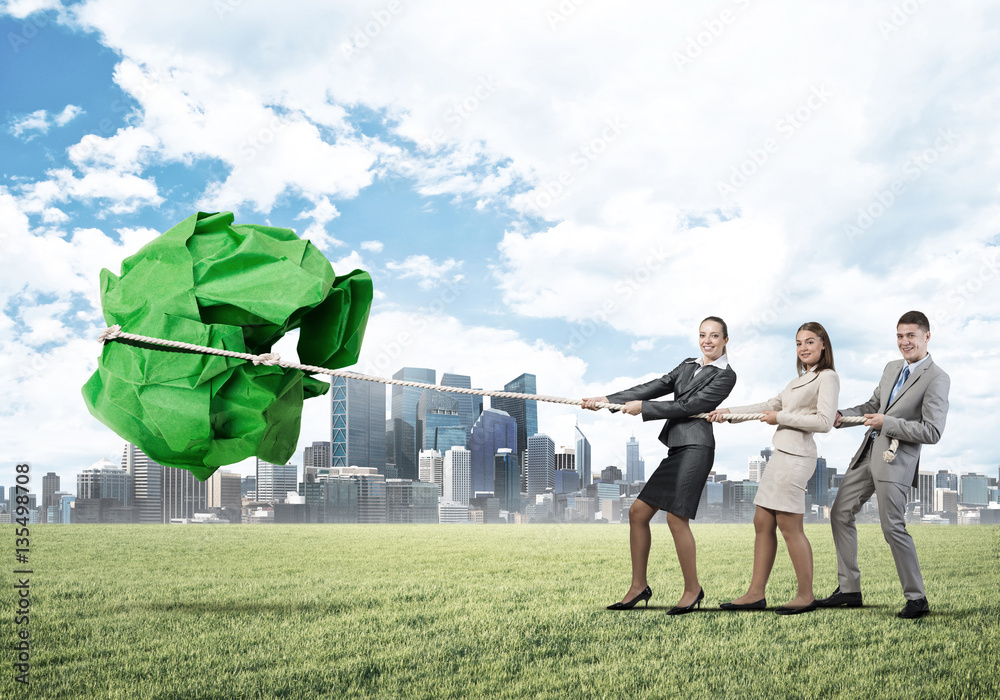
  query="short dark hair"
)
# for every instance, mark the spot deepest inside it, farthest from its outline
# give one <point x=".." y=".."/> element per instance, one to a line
<point x="826" y="359"/>
<point x="915" y="318"/>
<point x="725" y="328"/>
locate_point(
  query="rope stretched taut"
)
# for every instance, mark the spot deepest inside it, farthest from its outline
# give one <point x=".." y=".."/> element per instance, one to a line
<point x="271" y="359"/>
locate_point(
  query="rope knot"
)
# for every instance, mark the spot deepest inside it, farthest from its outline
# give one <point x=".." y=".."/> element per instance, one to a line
<point x="109" y="334"/>
<point x="268" y="359"/>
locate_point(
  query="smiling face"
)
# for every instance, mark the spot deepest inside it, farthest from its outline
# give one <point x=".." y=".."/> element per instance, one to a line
<point x="711" y="340"/>
<point x="809" y="348"/>
<point x="912" y="341"/>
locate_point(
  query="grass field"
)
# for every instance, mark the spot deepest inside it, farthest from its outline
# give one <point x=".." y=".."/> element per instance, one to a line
<point x="342" y="611"/>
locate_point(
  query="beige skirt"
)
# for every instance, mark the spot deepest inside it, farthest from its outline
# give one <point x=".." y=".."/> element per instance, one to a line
<point x="783" y="485"/>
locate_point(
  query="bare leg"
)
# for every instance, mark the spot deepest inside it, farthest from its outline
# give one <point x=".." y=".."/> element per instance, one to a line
<point x="684" y="544"/>
<point x="765" y="547"/>
<point x="639" y="539"/>
<point x="802" y="558"/>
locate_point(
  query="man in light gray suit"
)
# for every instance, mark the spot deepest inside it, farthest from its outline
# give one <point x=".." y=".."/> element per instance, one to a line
<point x="910" y="404"/>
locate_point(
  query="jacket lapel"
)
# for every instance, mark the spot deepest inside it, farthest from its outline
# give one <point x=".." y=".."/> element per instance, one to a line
<point x="693" y="383"/>
<point x="910" y="381"/>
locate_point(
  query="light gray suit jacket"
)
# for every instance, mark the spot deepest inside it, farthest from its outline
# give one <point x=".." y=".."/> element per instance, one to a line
<point x="807" y="405"/>
<point x="915" y="418"/>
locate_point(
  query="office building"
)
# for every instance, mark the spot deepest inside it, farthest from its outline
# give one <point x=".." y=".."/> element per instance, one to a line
<point x="565" y="458"/>
<point x="431" y="466"/>
<point x="541" y="463"/>
<point x="453" y="513"/>
<point x="818" y="486"/>
<point x="567" y="480"/>
<point x="104" y="480"/>
<point x="945" y="501"/>
<point x="507" y="479"/>
<point x="224" y="490"/>
<point x="469" y="405"/>
<point x="946" y="480"/>
<point x="582" y="457"/>
<point x="755" y="468"/>
<point x="402" y="449"/>
<point x="357" y="424"/>
<point x="437" y="409"/>
<point x="634" y="466"/>
<point x="973" y="490"/>
<point x="611" y="474"/>
<point x="147" y="484"/>
<point x="925" y="491"/>
<point x="183" y="495"/>
<point x="274" y="481"/>
<point x="493" y="431"/>
<point x="523" y="411"/>
<point x="457" y="476"/>
<point x="50" y="484"/>
<point x="743" y="494"/>
<point x="409" y="501"/>
<point x="315" y="457"/>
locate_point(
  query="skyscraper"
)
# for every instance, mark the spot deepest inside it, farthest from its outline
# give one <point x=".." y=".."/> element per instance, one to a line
<point x="147" y="484"/>
<point x="457" y="475"/>
<point x="523" y="411"/>
<point x="611" y="474"/>
<point x="317" y="456"/>
<point x="755" y="468"/>
<point x="946" y="480"/>
<point x="925" y="491"/>
<point x="507" y="477"/>
<point x="541" y="464"/>
<point x="409" y="501"/>
<point x="437" y="409"/>
<point x="50" y="484"/>
<point x="566" y="458"/>
<point x="973" y="490"/>
<point x="493" y="431"/>
<point x="633" y="468"/>
<point x="817" y="488"/>
<point x="357" y="424"/>
<point x="469" y="406"/>
<point x="274" y="481"/>
<point x="104" y="480"/>
<point x="432" y="469"/>
<point x="183" y="495"/>
<point x="404" y="419"/>
<point x="224" y="490"/>
<point x="582" y="457"/>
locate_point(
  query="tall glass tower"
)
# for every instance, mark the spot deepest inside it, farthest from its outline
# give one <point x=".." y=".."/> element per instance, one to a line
<point x="404" y="419"/>
<point x="494" y="431"/>
<point x="541" y="464"/>
<point x="633" y="470"/>
<point x="523" y="411"/>
<point x="357" y="424"/>
<point x="582" y="457"/>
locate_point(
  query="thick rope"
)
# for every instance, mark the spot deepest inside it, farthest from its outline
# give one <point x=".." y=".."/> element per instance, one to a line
<point x="271" y="359"/>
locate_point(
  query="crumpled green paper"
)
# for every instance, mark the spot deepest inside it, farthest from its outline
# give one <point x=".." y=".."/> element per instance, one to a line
<point x="241" y="288"/>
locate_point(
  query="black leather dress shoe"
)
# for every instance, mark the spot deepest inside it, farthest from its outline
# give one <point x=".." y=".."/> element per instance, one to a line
<point x="838" y="599"/>
<point x="914" y="609"/>
<point x="783" y="610"/>
<point x="756" y="605"/>
<point x="679" y="610"/>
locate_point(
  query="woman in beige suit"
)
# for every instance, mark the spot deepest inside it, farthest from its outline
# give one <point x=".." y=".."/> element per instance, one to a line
<point x="807" y="405"/>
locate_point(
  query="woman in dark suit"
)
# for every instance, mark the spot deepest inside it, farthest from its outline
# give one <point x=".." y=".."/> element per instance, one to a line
<point x="698" y="385"/>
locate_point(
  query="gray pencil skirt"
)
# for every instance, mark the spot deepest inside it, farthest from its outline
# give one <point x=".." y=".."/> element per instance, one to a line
<point x="677" y="483"/>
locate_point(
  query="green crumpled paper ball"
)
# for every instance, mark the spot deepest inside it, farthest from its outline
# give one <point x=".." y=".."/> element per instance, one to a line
<point x="241" y="288"/>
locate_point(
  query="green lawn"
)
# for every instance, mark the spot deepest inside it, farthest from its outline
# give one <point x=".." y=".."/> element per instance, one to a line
<point x="340" y="611"/>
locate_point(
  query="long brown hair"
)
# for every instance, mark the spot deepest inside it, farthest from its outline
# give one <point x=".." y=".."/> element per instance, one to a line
<point x="826" y="359"/>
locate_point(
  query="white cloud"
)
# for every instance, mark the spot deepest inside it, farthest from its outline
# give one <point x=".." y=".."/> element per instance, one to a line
<point x="372" y="246"/>
<point x="123" y="192"/>
<point x="322" y="213"/>
<point x="40" y="121"/>
<point x="427" y="271"/>
<point x="24" y="8"/>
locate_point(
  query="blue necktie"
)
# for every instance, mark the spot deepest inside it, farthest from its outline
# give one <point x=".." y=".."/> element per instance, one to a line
<point x="899" y="385"/>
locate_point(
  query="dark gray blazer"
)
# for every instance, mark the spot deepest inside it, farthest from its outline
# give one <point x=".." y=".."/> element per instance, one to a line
<point x="691" y="395"/>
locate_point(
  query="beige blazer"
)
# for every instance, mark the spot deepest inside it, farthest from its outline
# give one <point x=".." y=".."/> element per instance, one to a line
<point x="807" y="405"/>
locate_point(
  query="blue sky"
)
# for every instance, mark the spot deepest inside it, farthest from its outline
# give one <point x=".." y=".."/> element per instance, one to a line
<point x="557" y="188"/>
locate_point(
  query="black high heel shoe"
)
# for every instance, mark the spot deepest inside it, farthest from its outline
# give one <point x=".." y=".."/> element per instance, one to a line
<point x="678" y="610"/>
<point x="646" y="594"/>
